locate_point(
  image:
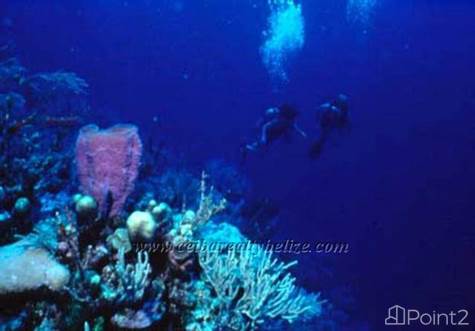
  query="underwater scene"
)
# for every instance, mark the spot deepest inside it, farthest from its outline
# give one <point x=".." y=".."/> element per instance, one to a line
<point x="235" y="165"/>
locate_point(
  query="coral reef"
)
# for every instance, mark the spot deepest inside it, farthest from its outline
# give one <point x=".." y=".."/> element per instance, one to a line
<point x="110" y="281"/>
<point x="106" y="259"/>
<point x="34" y="150"/>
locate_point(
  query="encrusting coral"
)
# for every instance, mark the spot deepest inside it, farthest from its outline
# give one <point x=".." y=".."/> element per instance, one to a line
<point x="29" y="264"/>
<point x="24" y="267"/>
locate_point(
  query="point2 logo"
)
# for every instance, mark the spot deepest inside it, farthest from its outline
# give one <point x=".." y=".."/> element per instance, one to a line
<point x="400" y="316"/>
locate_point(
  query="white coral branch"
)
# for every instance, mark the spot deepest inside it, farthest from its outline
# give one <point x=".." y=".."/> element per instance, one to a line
<point x="257" y="286"/>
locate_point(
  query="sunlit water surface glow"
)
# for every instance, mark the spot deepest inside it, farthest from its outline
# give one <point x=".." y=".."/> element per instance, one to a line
<point x="360" y="11"/>
<point x="284" y="37"/>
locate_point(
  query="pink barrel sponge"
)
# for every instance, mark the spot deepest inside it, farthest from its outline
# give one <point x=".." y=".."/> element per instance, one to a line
<point x="108" y="163"/>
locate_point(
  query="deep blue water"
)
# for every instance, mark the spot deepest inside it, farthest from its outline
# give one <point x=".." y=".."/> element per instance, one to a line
<point x="399" y="187"/>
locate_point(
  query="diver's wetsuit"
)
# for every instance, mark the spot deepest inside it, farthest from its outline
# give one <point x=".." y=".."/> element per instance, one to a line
<point x="276" y="124"/>
<point x="330" y="116"/>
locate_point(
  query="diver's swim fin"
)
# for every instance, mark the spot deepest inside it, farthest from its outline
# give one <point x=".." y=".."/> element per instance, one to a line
<point x="243" y="151"/>
<point x="316" y="149"/>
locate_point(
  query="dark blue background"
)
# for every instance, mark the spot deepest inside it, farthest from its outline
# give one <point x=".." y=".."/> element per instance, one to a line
<point x="399" y="188"/>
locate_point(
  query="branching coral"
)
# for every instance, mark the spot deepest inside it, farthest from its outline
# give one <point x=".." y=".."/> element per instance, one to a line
<point x="190" y="222"/>
<point x="207" y="206"/>
<point x="188" y="225"/>
<point x="255" y="286"/>
<point x="128" y="282"/>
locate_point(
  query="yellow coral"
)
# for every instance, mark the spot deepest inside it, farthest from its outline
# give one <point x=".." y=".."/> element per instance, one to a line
<point x="141" y="224"/>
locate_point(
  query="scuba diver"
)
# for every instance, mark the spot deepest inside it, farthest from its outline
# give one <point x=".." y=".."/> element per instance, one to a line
<point x="277" y="123"/>
<point x="331" y="116"/>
